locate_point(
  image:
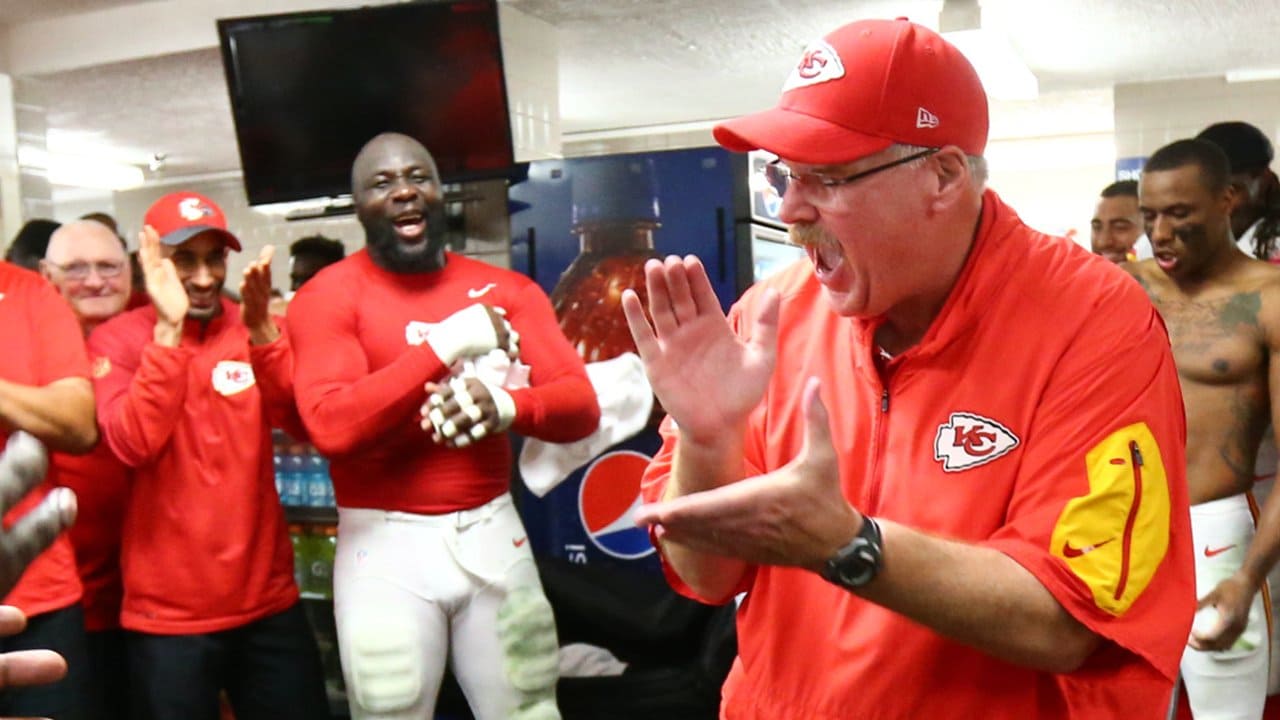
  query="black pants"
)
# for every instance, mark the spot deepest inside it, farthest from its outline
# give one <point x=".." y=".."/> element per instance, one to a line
<point x="270" y="669"/>
<point x="109" y="674"/>
<point x="68" y="699"/>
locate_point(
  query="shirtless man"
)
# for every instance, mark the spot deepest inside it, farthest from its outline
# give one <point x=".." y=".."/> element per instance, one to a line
<point x="1222" y="309"/>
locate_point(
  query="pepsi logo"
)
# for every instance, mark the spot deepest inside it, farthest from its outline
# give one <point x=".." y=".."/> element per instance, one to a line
<point x="607" y="501"/>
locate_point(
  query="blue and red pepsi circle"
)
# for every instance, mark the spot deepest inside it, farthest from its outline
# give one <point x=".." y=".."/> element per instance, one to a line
<point x="607" y="502"/>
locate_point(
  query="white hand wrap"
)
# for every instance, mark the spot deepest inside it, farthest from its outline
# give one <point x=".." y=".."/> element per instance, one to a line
<point x="506" y="406"/>
<point x="463" y="334"/>
<point x="446" y="430"/>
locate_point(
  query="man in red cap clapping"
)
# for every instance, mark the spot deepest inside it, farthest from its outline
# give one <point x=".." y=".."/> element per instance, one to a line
<point x="188" y="390"/>
<point x="917" y="454"/>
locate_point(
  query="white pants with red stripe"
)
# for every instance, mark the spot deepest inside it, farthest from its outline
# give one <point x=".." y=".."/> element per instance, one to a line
<point x="1230" y="684"/>
<point x="412" y="592"/>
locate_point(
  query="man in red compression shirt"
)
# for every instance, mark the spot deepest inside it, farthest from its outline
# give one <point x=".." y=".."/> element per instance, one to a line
<point x="188" y="391"/>
<point x="433" y="562"/>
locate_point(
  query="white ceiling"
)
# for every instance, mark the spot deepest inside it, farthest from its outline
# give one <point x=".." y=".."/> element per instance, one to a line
<point x="630" y="63"/>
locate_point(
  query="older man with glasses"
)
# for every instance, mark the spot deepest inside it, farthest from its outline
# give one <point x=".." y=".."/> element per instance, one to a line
<point x="916" y="454"/>
<point x="86" y="261"/>
<point x="88" y="264"/>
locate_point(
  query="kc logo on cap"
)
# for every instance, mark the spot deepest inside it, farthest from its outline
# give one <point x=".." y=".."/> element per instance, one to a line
<point x="180" y="216"/>
<point x="820" y="63"/>
<point x="193" y="208"/>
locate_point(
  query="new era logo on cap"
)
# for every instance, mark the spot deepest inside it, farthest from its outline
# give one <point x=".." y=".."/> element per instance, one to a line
<point x="925" y="119"/>
<point x="819" y="63"/>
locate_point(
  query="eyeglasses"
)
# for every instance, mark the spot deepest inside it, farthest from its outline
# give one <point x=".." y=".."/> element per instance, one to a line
<point x="80" y="269"/>
<point x="823" y="187"/>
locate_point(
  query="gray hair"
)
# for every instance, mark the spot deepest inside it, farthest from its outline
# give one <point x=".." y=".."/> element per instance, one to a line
<point x="977" y="163"/>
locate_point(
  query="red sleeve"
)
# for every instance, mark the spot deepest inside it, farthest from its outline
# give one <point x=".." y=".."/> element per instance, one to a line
<point x="1099" y="513"/>
<point x="343" y="405"/>
<point x="273" y="370"/>
<point x="559" y="405"/>
<point x="58" y="342"/>
<point x="140" y="395"/>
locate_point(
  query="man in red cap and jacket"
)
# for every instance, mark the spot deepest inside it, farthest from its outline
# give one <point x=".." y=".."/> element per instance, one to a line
<point x="990" y="520"/>
<point x="188" y="390"/>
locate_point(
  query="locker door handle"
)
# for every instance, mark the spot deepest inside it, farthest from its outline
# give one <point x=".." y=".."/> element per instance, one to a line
<point x="720" y="243"/>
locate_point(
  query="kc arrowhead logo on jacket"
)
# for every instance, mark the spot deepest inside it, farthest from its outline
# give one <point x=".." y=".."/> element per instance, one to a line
<point x="232" y="376"/>
<point x="968" y="440"/>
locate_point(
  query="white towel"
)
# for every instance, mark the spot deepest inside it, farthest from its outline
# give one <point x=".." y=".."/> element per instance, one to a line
<point x="625" y="398"/>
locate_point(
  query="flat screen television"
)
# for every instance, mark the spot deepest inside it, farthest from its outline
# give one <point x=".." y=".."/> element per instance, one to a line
<point x="309" y="89"/>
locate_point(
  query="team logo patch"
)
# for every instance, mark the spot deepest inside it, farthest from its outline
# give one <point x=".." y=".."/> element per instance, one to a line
<point x="192" y="209"/>
<point x="968" y="440"/>
<point x="819" y="64"/>
<point x="416" y="332"/>
<point x="101" y="367"/>
<point x="232" y="376"/>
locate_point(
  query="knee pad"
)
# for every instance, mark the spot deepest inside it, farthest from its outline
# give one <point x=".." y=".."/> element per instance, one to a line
<point x="527" y="632"/>
<point x="386" y="666"/>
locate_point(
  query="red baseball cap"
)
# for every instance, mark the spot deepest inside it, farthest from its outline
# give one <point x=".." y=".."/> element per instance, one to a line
<point x="180" y="216"/>
<point x="864" y="87"/>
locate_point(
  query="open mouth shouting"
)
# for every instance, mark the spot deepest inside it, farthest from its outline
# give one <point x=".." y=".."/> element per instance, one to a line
<point x="410" y="227"/>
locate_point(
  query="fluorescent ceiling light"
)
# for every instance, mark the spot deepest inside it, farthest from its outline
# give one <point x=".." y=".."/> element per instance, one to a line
<point x="284" y="209"/>
<point x="1004" y="75"/>
<point x="1253" y="74"/>
<point x="81" y="171"/>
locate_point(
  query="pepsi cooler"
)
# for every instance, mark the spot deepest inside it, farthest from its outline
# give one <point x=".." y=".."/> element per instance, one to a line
<point x="583" y="231"/>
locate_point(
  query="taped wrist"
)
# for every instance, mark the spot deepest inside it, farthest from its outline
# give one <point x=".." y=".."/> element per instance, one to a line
<point x="505" y="404"/>
<point x="463" y="334"/>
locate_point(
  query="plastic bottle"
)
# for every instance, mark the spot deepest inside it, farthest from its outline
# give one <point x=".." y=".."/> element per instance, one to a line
<point x="326" y="546"/>
<point x="300" y="562"/>
<point x="294" y="471"/>
<point x="615" y="211"/>
<point x="317" y="479"/>
<point x="277" y="461"/>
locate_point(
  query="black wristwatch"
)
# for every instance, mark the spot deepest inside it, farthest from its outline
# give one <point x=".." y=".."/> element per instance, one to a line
<point x="857" y="563"/>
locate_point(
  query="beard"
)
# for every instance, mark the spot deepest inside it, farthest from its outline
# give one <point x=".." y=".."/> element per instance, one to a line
<point x="389" y="253"/>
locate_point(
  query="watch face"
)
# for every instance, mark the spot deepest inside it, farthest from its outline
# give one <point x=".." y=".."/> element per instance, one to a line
<point x="858" y="567"/>
<point x="856" y="564"/>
